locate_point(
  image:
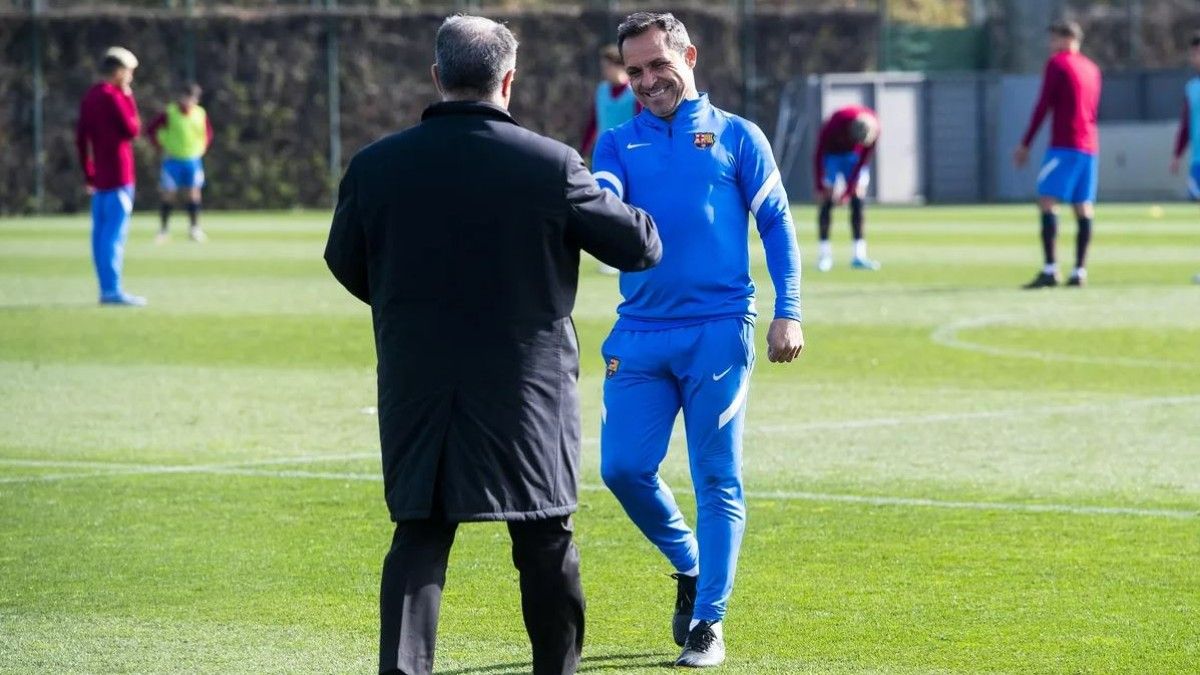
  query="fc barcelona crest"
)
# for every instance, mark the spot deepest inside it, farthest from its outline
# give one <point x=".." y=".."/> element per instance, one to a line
<point x="704" y="139"/>
<point x="613" y="365"/>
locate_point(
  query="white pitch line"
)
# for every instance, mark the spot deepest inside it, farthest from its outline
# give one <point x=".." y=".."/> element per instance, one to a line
<point x="978" y="415"/>
<point x="51" y="477"/>
<point x="307" y="459"/>
<point x="1069" y="509"/>
<point x="323" y="475"/>
<point x="125" y="469"/>
<point x="785" y="496"/>
<point x="947" y="336"/>
<point x="68" y="463"/>
<point x="883" y="500"/>
<point x="873" y="422"/>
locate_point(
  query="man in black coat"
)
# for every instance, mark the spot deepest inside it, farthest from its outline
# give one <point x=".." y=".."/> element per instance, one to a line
<point x="463" y="234"/>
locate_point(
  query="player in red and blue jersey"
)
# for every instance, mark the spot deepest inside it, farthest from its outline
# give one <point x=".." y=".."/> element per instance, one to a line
<point x="108" y="123"/>
<point x="844" y="147"/>
<point x="1071" y="89"/>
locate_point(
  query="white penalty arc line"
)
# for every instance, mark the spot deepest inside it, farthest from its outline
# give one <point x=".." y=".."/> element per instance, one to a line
<point x="947" y="335"/>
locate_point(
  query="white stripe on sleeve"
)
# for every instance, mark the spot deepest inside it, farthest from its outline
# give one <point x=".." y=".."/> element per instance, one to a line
<point x="611" y="178"/>
<point x="764" y="192"/>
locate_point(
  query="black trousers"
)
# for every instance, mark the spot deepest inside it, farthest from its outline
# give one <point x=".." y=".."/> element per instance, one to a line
<point x="414" y="573"/>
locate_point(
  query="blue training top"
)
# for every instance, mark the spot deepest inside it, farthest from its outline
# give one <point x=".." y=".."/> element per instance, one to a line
<point x="611" y="112"/>
<point x="1191" y="93"/>
<point x="700" y="176"/>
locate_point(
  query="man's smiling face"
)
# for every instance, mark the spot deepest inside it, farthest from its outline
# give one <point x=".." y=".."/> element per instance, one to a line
<point x="661" y="77"/>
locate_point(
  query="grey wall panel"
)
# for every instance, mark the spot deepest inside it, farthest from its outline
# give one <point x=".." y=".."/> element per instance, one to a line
<point x="1120" y="97"/>
<point x="1164" y="94"/>
<point x="954" y="135"/>
<point x="1134" y="162"/>
<point x="841" y="94"/>
<point x="1016" y="96"/>
<point x="899" y="161"/>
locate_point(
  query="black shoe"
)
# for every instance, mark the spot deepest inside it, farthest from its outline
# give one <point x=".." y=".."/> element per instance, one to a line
<point x="1077" y="281"/>
<point x="1043" y="280"/>
<point x="704" y="647"/>
<point x="685" y="602"/>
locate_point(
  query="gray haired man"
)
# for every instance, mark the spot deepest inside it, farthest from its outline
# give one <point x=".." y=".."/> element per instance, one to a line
<point x="464" y="234"/>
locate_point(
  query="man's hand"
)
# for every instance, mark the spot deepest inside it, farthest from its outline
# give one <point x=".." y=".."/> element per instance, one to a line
<point x="1175" y="167"/>
<point x="1021" y="156"/>
<point x="785" y="340"/>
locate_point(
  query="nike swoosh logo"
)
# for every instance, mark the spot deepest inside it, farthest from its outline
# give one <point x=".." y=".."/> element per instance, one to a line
<point x="718" y="378"/>
<point x="634" y="146"/>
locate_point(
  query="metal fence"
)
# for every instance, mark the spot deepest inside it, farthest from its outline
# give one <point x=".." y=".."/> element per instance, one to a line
<point x="744" y="16"/>
<point x="949" y="35"/>
<point x="449" y="5"/>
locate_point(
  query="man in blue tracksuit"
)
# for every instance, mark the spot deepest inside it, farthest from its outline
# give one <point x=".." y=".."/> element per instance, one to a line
<point x="684" y="338"/>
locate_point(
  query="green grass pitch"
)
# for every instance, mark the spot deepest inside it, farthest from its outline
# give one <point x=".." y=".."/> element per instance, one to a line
<point x="957" y="477"/>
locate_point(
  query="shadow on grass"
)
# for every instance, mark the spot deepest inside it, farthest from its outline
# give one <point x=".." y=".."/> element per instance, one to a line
<point x="589" y="664"/>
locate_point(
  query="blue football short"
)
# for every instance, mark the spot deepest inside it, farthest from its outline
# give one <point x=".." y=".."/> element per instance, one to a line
<point x="1068" y="175"/>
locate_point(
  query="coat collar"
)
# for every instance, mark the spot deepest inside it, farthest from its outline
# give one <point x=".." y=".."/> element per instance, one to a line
<point x="478" y="108"/>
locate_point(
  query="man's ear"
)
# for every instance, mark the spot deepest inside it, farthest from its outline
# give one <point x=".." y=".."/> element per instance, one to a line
<point x="506" y="84"/>
<point x="437" y="81"/>
<point x="689" y="56"/>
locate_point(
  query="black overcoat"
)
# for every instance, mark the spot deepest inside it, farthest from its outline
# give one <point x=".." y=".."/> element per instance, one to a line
<point x="463" y="234"/>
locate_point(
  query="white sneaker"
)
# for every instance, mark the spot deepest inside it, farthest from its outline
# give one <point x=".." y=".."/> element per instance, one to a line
<point x="1196" y="279"/>
<point x="705" y="646"/>
<point x="825" y="263"/>
<point x="161" y="238"/>
<point x="197" y="234"/>
<point x="123" y="300"/>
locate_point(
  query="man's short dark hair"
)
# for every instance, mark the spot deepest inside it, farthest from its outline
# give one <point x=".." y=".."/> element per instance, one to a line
<point x="639" y="22"/>
<point x="190" y="89"/>
<point x="1067" y="29"/>
<point x="473" y="53"/>
<point x="861" y="128"/>
<point x="110" y="65"/>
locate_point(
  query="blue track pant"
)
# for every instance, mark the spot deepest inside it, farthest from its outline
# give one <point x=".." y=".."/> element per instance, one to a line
<point x="705" y="371"/>
<point x="110" y="225"/>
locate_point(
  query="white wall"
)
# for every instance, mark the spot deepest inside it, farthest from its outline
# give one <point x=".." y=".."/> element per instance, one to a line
<point x="1134" y="162"/>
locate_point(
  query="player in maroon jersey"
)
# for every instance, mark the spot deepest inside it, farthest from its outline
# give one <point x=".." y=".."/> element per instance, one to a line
<point x="844" y="147"/>
<point x="108" y="123"/>
<point x="1071" y="91"/>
